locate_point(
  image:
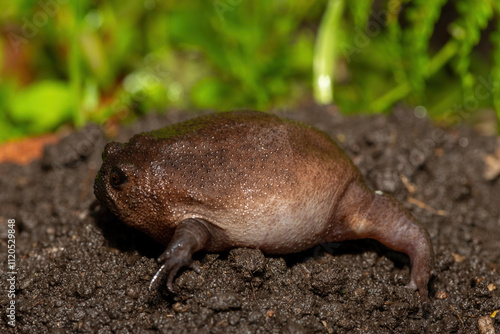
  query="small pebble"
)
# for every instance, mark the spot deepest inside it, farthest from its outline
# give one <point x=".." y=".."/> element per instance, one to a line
<point x="224" y="301"/>
<point x="180" y="308"/>
<point x="441" y="295"/>
<point x="132" y="293"/>
<point x="485" y="325"/>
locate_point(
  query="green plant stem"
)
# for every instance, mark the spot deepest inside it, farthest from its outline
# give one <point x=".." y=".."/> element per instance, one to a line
<point x="391" y="97"/>
<point x="402" y="90"/>
<point x="495" y="73"/>
<point x="441" y="58"/>
<point x="75" y="64"/>
<point x="442" y="109"/>
<point x="325" y="52"/>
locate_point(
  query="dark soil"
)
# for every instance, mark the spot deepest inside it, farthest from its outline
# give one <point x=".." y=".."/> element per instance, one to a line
<point x="81" y="270"/>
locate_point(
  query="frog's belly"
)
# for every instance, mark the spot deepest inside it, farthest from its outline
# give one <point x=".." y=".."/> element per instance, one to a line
<point x="280" y="228"/>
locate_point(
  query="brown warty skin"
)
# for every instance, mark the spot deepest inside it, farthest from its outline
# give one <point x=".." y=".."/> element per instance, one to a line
<point x="250" y="179"/>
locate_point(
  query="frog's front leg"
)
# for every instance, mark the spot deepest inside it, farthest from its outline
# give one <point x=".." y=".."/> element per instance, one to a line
<point x="190" y="236"/>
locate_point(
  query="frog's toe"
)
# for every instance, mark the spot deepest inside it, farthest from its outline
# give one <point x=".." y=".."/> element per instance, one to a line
<point x="412" y="285"/>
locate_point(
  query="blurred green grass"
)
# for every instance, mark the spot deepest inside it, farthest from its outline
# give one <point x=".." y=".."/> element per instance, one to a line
<point x="70" y="62"/>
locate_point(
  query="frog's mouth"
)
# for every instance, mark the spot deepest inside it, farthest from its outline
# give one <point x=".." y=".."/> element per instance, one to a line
<point x="101" y="192"/>
<point x="107" y="196"/>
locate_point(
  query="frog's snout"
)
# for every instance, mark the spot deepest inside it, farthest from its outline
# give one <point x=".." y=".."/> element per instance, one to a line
<point x="111" y="149"/>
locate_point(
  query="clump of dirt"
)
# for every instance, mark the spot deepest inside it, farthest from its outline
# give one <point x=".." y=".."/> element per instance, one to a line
<point x="84" y="272"/>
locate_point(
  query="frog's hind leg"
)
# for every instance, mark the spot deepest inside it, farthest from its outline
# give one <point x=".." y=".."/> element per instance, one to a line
<point x="391" y="224"/>
<point x="365" y="214"/>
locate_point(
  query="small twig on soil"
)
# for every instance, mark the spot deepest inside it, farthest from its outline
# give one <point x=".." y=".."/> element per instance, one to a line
<point x="393" y="301"/>
<point x="408" y="185"/>
<point x="326" y="326"/>
<point x="424" y="206"/>
<point x="411" y="190"/>
<point x="459" y="318"/>
<point x="492" y="164"/>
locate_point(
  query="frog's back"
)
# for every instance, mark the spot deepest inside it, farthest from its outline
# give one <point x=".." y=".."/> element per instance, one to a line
<point x="246" y="134"/>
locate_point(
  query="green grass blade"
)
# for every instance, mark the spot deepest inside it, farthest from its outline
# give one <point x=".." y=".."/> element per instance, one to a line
<point x="325" y="52"/>
<point x="75" y="65"/>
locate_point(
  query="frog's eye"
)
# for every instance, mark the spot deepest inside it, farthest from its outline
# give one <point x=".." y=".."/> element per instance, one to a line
<point x="117" y="178"/>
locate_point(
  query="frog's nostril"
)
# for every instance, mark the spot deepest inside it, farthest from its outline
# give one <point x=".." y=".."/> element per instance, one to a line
<point x="111" y="148"/>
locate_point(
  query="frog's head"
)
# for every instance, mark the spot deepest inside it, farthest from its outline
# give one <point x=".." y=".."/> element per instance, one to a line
<point x="127" y="186"/>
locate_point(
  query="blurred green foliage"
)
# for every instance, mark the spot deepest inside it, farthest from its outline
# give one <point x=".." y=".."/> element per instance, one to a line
<point x="77" y="61"/>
